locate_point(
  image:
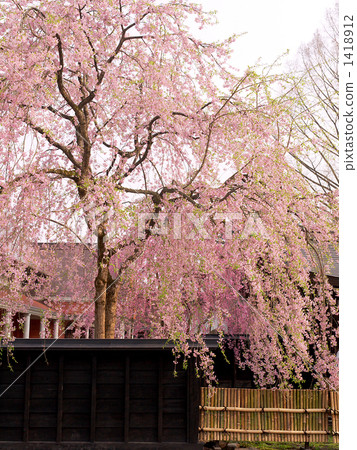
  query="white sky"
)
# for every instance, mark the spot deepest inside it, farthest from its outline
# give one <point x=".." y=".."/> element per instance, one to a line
<point x="272" y="26"/>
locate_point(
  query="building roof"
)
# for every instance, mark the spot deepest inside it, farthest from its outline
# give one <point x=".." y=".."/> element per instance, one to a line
<point x="24" y="304"/>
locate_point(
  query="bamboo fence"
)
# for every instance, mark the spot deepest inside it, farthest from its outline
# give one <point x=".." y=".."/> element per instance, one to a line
<point x="294" y="415"/>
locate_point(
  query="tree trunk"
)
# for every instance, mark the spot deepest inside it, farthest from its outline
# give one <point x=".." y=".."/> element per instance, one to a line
<point x="100" y="297"/>
<point x="101" y="284"/>
<point x="111" y="308"/>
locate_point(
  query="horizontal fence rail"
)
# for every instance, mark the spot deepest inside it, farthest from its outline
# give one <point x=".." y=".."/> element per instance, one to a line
<point x="294" y="415"/>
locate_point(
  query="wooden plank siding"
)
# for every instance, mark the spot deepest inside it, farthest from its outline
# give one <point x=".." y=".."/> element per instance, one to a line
<point x="93" y="398"/>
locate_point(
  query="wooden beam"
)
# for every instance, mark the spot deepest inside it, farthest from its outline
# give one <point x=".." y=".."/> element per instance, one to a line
<point x="193" y="402"/>
<point x="27" y="400"/>
<point x="60" y="399"/>
<point x="93" y="399"/>
<point x="160" y="402"/>
<point x="127" y="398"/>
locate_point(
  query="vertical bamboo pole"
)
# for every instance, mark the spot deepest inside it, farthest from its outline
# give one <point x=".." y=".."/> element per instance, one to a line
<point x="277" y="427"/>
<point x="304" y="395"/>
<point x="308" y="395"/>
<point x="259" y="415"/>
<point x="245" y="414"/>
<point x="288" y="415"/>
<point x="285" y="415"/>
<point x="334" y="407"/>
<point x="255" y="416"/>
<point x="211" y="402"/>
<point x="214" y="414"/>
<point x="210" y="414"/>
<point x="331" y="404"/>
<point x="204" y="414"/>
<point x="336" y="396"/>
<point x="242" y="414"/>
<point x="218" y="413"/>
<point x="281" y="415"/>
<point x="282" y="404"/>
<point x="334" y="416"/>
<point x="239" y="416"/>
<point x="305" y="399"/>
<point x="235" y="417"/>
<point x="273" y="414"/>
<point x="316" y="423"/>
<point x="300" y="417"/>
<point x="230" y="413"/>
<point x="203" y="402"/>
<point x="325" y="416"/>
<point x="312" y="416"/>
<point x="236" y="414"/>
<point x="291" y="416"/>
<point x="230" y="421"/>
<point x="251" y="415"/>
<point x="200" y="437"/>
<point x="225" y="413"/>
<point x="312" y="421"/>
<point x="296" y="422"/>
<point x="321" y="416"/>
<point x="268" y="416"/>
<point x="263" y="414"/>
<point x="316" y="416"/>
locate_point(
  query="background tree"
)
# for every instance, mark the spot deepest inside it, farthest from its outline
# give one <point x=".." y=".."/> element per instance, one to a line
<point x="315" y="83"/>
<point x="112" y="111"/>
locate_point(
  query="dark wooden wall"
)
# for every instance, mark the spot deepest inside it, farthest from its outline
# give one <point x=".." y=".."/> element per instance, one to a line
<point x="97" y="397"/>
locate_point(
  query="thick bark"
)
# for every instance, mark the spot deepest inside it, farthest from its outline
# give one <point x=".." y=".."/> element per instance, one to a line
<point x="101" y="285"/>
<point x="107" y="288"/>
<point x="100" y="296"/>
<point x="111" y="308"/>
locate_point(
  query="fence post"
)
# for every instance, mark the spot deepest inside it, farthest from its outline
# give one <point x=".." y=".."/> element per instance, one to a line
<point x="306" y="446"/>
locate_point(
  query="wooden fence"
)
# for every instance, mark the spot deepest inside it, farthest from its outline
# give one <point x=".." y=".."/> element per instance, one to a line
<point x="268" y="415"/>
<point x="92" y="393"/>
